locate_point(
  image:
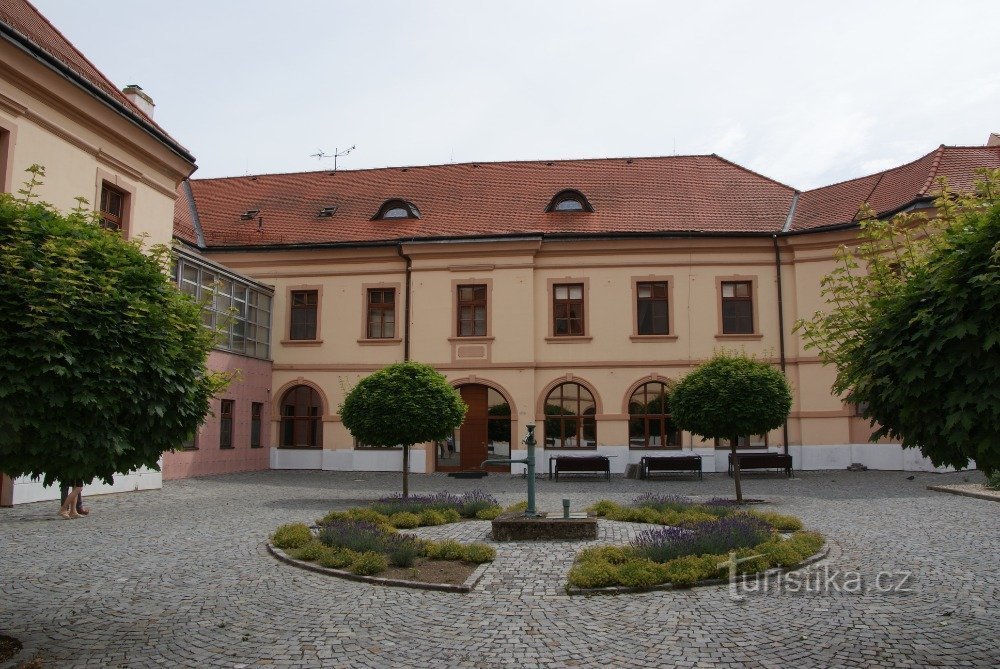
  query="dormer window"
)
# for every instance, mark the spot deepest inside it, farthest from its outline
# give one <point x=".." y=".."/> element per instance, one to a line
<point x="569" y="201"/>
<point x="394" y="209"/>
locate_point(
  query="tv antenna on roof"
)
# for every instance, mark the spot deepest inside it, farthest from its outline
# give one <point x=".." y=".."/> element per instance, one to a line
<point x="337" y="153"/>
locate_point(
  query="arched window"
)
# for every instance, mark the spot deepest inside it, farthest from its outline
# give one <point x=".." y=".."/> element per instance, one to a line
<point x="301" y="418"/>
<point x="395" y="209"/>
<point x="570" y="420"/>
<point x="649" y="424"/>
<point x="569" y="201"/>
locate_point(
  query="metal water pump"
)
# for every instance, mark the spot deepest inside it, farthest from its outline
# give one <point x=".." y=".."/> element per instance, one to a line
<point x="528" y="441"/>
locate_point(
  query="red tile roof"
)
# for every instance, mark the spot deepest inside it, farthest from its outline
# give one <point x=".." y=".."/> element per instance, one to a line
<point x="894" y="189"/>
<point x="677" y="194"/>
<point x="640" y="195"/>
<point x="24" y="19"/>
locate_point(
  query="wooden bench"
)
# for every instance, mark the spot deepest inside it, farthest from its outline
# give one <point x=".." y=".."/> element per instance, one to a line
<point x="580" y="464"/>
<point x="669" y="463"/>
<point x="763" y="461"/>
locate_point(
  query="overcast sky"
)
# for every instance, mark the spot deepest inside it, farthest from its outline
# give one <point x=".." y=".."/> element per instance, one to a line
<point x="807" y="93"/>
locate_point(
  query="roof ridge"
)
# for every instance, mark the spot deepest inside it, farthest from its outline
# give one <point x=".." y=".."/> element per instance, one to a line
<point x="478" y="163"/>
<point x="935" y="164"/>
<point x="755" y="173"/>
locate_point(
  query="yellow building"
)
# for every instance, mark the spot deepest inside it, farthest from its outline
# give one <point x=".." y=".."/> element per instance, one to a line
<point x="568" y="294"/>
<point x="94" y="140"/>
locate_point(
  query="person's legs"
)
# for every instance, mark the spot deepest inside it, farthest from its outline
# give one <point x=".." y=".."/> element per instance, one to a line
<point x="71" y="501"/>
<point x="67" y="504"/>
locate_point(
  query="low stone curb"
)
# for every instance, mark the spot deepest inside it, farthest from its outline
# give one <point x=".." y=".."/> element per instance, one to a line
<point x="466" y="587"/>
<point x="623" y="590"/>
<point x="991" y="495"/>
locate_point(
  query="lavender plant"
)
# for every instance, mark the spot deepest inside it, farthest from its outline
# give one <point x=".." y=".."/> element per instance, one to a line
<point x="709" y="537"/>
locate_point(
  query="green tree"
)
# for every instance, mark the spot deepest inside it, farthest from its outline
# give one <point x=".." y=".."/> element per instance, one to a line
<point x="102" y="360"/>
<point x="400" y="405"/>
<point x="729" y="396"/>
<point x="914" y="328"/>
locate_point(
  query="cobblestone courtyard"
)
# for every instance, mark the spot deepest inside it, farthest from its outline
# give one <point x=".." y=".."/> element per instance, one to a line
<point x="180" y="577"/>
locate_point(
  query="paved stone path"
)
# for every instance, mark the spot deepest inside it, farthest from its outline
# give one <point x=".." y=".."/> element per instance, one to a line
<point x="180" y="578"/>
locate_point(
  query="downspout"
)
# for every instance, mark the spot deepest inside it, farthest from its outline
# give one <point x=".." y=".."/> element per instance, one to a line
<point x="406" y="306"/>
<point x="781" y="305"/>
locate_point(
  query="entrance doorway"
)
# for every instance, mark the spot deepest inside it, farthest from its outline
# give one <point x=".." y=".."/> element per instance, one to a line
<point x="485" y="433"/>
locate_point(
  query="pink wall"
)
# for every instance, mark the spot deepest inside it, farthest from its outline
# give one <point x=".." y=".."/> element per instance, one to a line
<point x="254" y="385"/>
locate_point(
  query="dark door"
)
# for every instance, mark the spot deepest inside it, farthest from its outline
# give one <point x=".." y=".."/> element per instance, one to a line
<point x="473" y="431"/>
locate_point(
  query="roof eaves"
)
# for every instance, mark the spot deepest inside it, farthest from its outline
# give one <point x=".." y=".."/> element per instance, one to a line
<point x="28" y="45"/>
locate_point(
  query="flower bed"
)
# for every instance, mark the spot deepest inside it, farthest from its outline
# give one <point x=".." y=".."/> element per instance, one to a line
<point x="682" y="511"/>
<point x="368" y="549"/>
<point x="423" y="510"/>
<point x="364" y="541"/>
<point x="698" y="544"/>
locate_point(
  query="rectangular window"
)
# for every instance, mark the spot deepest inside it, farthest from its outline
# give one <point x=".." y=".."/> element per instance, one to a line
<point x="304" y="309"/>
<point x="112" y="207"/>
<point x="737" y="307"/>
<point x="472" y="311"/>
<point x="226" y="424"/>
<point x="191" y="443"/>
<point x="651" y="308"/>
<point x="381" y="313"/>
<point x="255" y="412"/>
<point x="567" y="309"/>
<point x="756" y="441"/>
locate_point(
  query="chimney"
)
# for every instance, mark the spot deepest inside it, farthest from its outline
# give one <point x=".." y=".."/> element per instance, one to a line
<point x="994" y="139"/>
<point x="138" y="97"/>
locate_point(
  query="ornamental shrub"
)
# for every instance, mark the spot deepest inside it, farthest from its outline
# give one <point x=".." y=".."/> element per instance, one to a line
<point x="292" y="535"/>
<point x="518" y="507"/>
<point x="609" y="554"/>
<point x="404" y="520"/>
<point x="689" y="569"/>
<point x="451" y="515"/>
<point x="432" y="518"/>
<point x="807" y="543"/>
<point x="476" y="501"/>
<point x="309" y="552"/>
<point x="102" y="359"/>
<point x="337" y="558"/>
<point x="404" y="553"/>
<point x="448" y="549"/>
<point x="593" y="574"/>
<point x="489" y="513"/>
<point x="601" y="508"/>
<point x="778" y="521"/>
<point x="369" y="564"/>
<point x="479" y="553"/>
<point x="782" y="554"/>
<point x="993" y="481"/>
<point x="356" y="535"/>
<point x="641" y="574"/>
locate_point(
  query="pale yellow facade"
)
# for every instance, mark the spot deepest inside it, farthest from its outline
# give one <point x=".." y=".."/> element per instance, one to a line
<point x="82" y="143"/>
<point x="520" y="357"/>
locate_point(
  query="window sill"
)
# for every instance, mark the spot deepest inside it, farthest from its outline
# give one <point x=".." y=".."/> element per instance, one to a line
<point x="737" y="337"/>
<point x="380" y="342"/>
<point x="301" y="448"/>
<point x="655" y="448"/>
<point x="301" y="342"/>
<point x="568" y="339"/>
<point x="666" y="337"/>
<point x="227" y="448"/>
<point x="472" y="339"/>
<point x="570" y="449"/>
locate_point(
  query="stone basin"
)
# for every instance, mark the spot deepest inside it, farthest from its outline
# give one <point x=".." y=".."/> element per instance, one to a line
<point x="545" y="527"/>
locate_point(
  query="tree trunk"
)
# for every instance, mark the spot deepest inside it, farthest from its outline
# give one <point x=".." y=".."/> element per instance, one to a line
<point x="406" y="471"/>
<point x="736" y="470"/>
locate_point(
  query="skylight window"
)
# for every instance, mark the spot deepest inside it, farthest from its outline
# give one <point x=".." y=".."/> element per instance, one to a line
<point x="397" y="209"/>
<point x="569" y="201"/>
